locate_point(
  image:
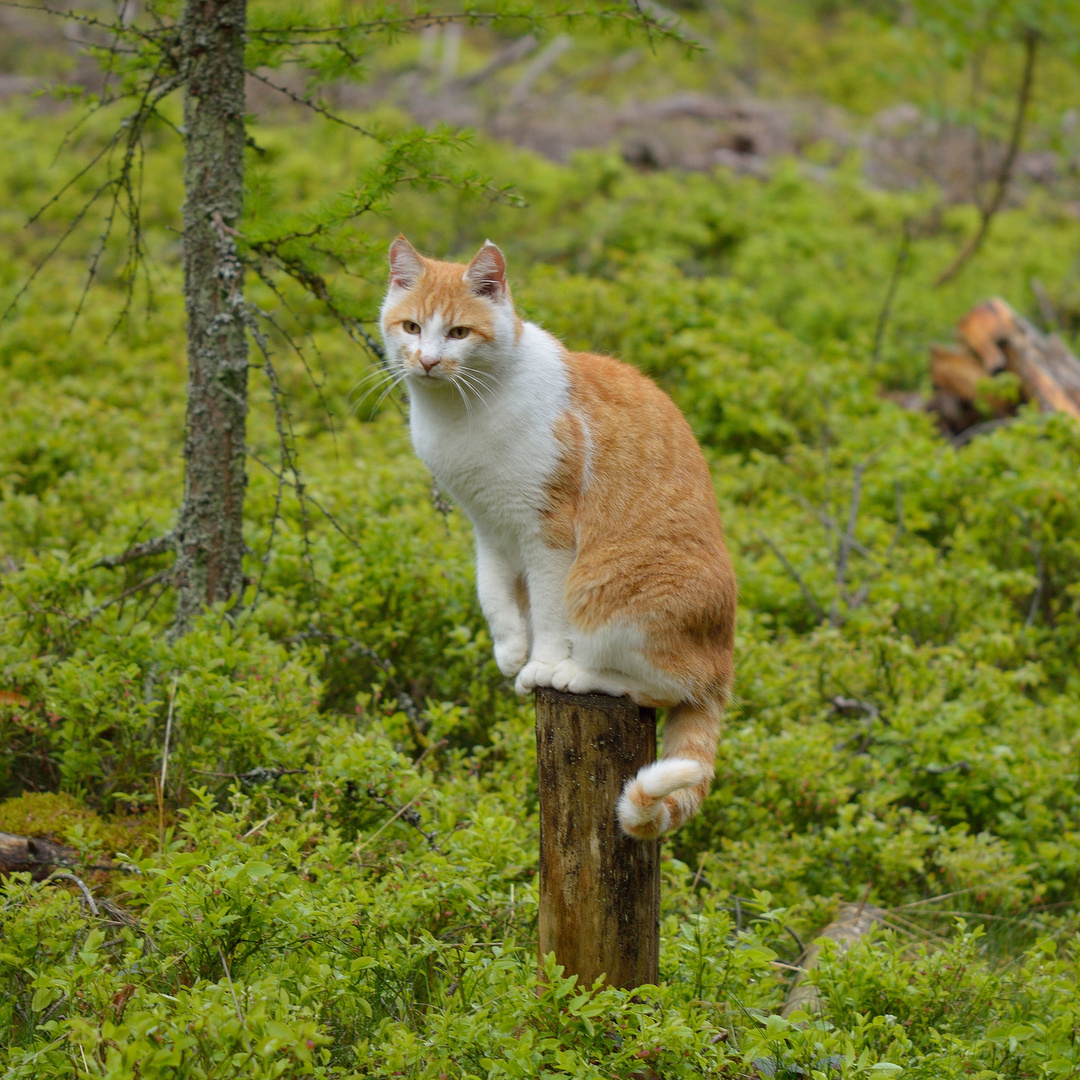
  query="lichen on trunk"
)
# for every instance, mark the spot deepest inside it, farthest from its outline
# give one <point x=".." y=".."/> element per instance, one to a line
<point x="208" y="536"/>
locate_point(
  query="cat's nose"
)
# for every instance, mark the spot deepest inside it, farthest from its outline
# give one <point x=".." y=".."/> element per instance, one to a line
<point x="427" y="365"/>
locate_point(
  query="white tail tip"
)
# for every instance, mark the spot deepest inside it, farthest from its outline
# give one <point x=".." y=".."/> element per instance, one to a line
<point x="641" y="808"/>
<point x="668" y="775"/>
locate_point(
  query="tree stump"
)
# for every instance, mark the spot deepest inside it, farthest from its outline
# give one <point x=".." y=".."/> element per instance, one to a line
<point x="599" y="889"/>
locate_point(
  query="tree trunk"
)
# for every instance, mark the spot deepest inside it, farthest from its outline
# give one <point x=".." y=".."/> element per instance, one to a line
<point x="209" y="531"/>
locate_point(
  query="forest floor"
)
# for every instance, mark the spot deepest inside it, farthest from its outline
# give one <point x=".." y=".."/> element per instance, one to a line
<point x="328" y="866"/>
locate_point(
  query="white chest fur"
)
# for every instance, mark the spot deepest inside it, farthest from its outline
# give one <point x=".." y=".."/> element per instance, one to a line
<point x="494" y="452"/>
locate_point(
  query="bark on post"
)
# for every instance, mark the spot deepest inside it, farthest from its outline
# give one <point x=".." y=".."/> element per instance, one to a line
<point x="599" y="889"/>
<point x="209" y="532"/>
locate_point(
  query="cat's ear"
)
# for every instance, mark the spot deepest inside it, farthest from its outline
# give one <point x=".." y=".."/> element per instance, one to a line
<point x="486" y="274"/>
<point x="406" y="265"/>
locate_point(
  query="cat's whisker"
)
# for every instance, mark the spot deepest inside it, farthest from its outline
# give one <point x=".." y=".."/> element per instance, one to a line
<point x="464" y="398"/>
<point x="377" y="379"/>
<point x="476" y="384"/>
<point x="389" y="390"/>
<point x="374" y="373"/>
<point x="480" y="384"/>
<point x="463" y="379"/>
<point x="355" y="406"/>
<point x="355" y="402"/>
<point x="481" y="379"/>
<point x="468" y="392"/>
<point x="374" y="379"/>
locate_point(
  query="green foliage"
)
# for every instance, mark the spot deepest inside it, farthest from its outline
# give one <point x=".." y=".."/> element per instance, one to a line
<point x="966" y="1019"/>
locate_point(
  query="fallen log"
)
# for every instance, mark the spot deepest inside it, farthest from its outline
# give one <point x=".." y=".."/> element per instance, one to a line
<point x="852" y="922"/>
<point x="993" y="338"/>
<point x="34" y="855"/>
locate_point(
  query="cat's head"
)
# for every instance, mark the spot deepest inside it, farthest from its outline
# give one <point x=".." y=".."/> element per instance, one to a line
<point x="441" y="320"/>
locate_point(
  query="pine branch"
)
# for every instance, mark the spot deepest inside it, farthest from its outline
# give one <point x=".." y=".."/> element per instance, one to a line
<point x="158" y="546"/>
<point x="314" y="106"/>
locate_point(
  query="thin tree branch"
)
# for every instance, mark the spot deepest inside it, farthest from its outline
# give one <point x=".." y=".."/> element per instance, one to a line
<point x="307" y="495"/>
<point x="844" y="548"/>
<point x="817" y="609"/>
<point x="978" y="155"/>
<point x="88" y="896"/>
<point x="864" y="589"/>
<point x="168" y="734"/>
<point x="1040" y="584"/>
<point x="295" y="345"/>
<point x="87" y="20"/>
<point x="632" y="13"/>
<point x="902" y="253"/>
<point x="987" y="213"/>
<point x="94" y="612"/>
<point x="158" y="546"/>
<point x="830" y="524"/>
<point x="313" y="105"/>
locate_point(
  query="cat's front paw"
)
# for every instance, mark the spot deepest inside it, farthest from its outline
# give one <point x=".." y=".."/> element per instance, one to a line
<point x="535" y="673"/>
<point x="511" y="655"/>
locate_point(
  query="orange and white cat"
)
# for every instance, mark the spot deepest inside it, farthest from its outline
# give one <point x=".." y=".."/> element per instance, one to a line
<point x="600" y="557"/>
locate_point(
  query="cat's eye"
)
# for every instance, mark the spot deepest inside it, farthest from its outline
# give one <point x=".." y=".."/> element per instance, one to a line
<point x="459" y="332"/>
<point x="410" y="327"/>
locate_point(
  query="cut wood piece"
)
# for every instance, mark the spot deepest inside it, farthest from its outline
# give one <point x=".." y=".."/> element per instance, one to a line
<point x="956" y="371"/>
<point x="983" y="328"/>
<point x="955" y="414"/>
<point x="1048" y="372"/>
<point x="31" y="853"/>
<point x="994" y="338"/>
<point x="852" y="922"/>
<point x="599" y="889"/>
<point x="960" y="373"/>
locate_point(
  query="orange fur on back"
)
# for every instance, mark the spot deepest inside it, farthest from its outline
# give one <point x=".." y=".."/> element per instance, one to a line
<point x="650" y="545"/>
<point x="648" y="534"/>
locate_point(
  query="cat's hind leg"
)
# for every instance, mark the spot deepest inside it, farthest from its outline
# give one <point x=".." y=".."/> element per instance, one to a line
<point x="611" y="661"/>
<point x="574" y="678"/>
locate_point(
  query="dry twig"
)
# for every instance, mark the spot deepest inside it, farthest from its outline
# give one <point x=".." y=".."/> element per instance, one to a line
<point x="990" y="209"/>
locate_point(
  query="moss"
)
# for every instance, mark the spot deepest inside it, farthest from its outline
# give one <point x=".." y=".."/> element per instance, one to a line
<point x="44" y="814"/>
<point x="62" y="817"/>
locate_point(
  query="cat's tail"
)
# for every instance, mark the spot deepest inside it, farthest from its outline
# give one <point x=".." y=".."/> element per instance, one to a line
<point x="670" y="791"/>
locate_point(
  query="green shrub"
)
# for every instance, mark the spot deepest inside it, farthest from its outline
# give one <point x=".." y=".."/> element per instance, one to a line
<point x="342" y="878"/>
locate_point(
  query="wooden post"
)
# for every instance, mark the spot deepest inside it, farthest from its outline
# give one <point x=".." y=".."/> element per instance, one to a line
<point x="599" y="889"/>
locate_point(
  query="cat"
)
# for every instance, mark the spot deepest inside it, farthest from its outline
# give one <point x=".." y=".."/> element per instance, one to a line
<point x="600" y="557"/>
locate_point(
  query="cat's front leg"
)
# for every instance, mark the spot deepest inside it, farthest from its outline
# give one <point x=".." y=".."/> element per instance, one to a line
<point x="497" y="586"/>
<point x="546" y="572"/>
